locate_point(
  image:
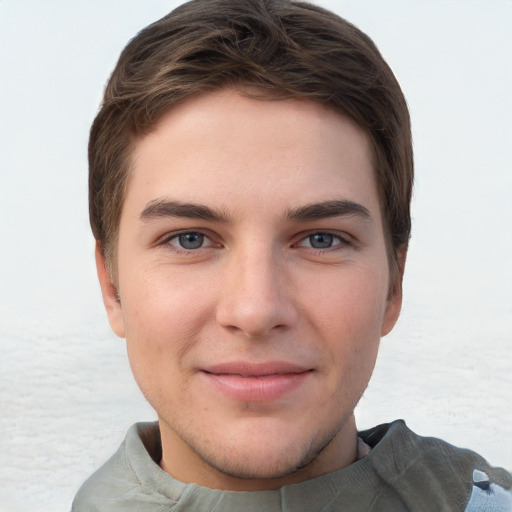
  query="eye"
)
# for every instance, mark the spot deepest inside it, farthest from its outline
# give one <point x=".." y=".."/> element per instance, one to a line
<point x="190" y="241"/>
<point x="322" y="240"/>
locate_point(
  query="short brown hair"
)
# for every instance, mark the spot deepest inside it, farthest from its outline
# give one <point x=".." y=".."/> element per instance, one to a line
<point x="280" y="48"/>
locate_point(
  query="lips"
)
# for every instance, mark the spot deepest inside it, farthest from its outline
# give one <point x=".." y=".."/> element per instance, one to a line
<point x="260" y="382"/>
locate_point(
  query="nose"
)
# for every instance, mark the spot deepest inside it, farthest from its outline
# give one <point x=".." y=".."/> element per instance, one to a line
<point x="258" y="297"/>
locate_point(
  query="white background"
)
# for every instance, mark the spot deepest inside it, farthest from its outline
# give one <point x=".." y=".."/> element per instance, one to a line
<point x="66" y="392"/>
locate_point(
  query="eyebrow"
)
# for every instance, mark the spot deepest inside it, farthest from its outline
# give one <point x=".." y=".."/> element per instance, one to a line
<point x="326" y="209"/>
<point x="159" y="208"/>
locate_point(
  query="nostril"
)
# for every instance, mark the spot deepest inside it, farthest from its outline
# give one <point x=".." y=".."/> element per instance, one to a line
<point x="255" y="303"/>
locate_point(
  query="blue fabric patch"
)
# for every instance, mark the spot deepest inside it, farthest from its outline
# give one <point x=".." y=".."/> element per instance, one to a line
<point x="487" y="496"/>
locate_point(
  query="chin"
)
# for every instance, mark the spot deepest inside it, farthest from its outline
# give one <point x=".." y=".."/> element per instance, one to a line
<point x="259" y="466"/>
<point x="271" y="457"/>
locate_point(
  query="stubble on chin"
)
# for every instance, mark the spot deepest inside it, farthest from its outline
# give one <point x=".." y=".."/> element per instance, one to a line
<point x="295" y="465"/>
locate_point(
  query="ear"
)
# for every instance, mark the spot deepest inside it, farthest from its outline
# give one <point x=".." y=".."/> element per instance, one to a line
<point x="109" y="292"/>
<point x="394" y="301"/>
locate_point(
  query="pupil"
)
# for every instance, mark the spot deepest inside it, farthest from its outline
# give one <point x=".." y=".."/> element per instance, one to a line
<point x="321" y="240"/>
<point x="191" y="240"/>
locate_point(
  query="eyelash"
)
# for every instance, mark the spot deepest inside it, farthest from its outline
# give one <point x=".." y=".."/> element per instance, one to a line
<point x="342" y="241"/>
<point x="183" y="250"/>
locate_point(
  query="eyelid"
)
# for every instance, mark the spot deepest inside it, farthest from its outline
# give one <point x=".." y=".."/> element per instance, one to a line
<point x="344" y="238"/>
<point x="168" y="237"/>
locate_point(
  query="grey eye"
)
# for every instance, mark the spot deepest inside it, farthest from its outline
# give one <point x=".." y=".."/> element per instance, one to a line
<point x="191" y="240"/>
<point x="321" y="240"/>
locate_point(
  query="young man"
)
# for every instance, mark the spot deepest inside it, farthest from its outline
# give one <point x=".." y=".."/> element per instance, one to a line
<point x="250" y="180"/>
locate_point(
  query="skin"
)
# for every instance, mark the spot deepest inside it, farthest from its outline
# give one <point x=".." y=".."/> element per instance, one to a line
<point x="261" y="283"/>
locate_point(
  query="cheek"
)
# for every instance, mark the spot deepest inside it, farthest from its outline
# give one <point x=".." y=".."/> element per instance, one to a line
<point x="162" y="319"/>
<point x="349" y="315"/>
<point x="163" y="303"/>
<point x="349" y="302"/>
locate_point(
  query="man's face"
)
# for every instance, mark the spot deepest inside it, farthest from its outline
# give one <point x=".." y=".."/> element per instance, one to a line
<point x="253" y="280"/>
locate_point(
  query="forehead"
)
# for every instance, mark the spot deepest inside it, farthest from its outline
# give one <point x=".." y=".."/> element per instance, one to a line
<point x="225" y="148"/>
